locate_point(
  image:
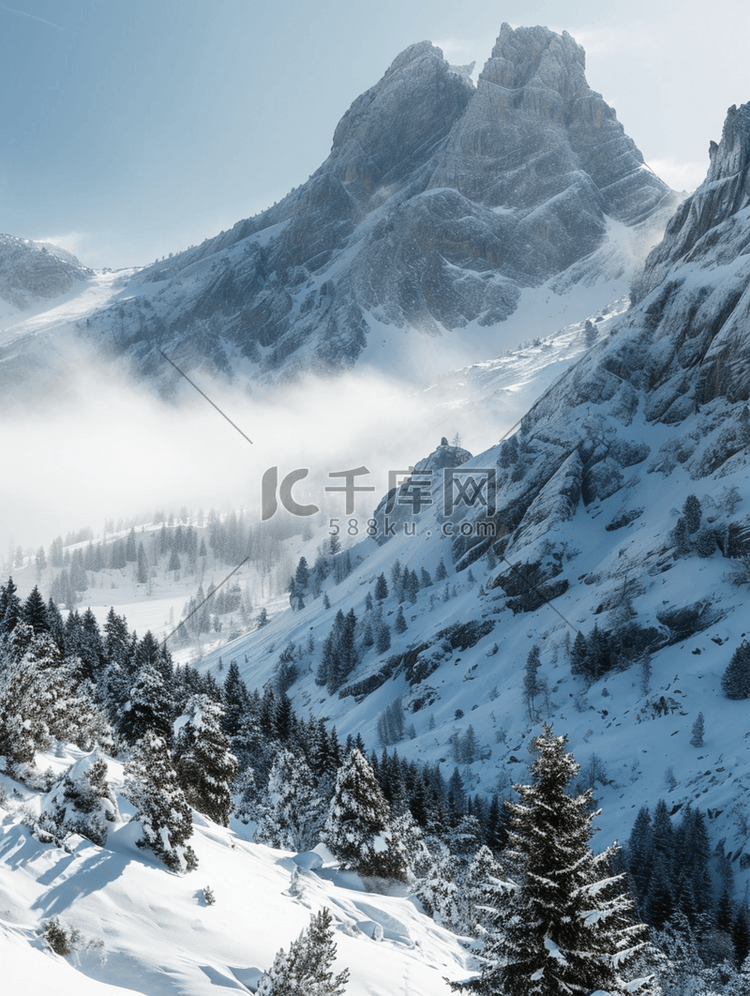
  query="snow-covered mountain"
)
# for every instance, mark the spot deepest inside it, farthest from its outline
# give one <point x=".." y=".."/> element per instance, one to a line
<point x="444" y="208"/>
<point x="611" y="532"/>
<point x="585" y="530"/>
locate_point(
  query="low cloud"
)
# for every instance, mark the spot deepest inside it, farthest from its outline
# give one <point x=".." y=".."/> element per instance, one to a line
<point x="104" y="447"/>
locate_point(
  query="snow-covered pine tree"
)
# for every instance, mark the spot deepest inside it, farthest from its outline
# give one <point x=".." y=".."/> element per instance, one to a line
<point x="37" y="700"/>
<point x="698" y="731"/>
<point x="34" y="612"/>
<point x="381" y="587"/>
<point x="294" y="810"/>
<point x="151" y="785"/>
<point x="478" y="896"/>
<point x="735" y="682"/>
<point x="84" y="802"/>
<point x="236" y="699"/>
<point x="149" y="707"/>
<point x="400" y="623"/>
<point x="358" y="826"/>
<point x="531" y="681"/>
<point x="567" y="926"/>
<point x="10" y="607"/>
<point x="205" y="764"/>
<point x="305" y="970"/>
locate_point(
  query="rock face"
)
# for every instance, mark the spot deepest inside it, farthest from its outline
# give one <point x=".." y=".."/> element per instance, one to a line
<point x="438" y="203"/>
<point x="707" y="228"/>
<point x="666" y="392"/>
<point x="34" y="271"/>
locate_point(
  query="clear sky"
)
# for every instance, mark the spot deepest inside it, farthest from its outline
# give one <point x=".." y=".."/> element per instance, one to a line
<point x="133" y="128"/>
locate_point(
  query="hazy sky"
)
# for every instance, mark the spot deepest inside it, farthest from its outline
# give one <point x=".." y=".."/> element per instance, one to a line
<point x="132" y="128"/>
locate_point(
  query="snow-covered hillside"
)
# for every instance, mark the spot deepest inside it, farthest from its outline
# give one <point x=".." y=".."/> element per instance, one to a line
<point x="589" y="512"/>
<point x="590" y="571"/>
<point x="140" y="929"/>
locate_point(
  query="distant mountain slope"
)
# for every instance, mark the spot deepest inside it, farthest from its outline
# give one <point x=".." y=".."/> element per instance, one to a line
<point x="438" y="204"/>
<point x="34" y="273"/>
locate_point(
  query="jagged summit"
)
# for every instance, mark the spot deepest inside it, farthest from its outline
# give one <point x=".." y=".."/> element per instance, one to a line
<point x="394" y="127"/>
<point x="536" y="117"/>
<point x="439" y="202"/>
<point x="709" y="219"/>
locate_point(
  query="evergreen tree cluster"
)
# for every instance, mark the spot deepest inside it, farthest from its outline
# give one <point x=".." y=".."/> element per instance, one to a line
<point x="71" y="682"/>
<point x="603" y="651"/>
<point x="690" y="534"/>
<point x="669" y="866"/>
<point x="339" y="656"/>
<point x="289" y="769"/>
<point x="180" y="547"/>
<point x="551" y="916"/>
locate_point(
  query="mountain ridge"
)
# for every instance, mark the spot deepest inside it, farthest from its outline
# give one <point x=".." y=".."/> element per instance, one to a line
<point x="440" y="205"/>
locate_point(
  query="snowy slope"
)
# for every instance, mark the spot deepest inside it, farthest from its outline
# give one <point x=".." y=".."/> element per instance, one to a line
<point x="150" y="931"/>
<point x="653" y="413"/>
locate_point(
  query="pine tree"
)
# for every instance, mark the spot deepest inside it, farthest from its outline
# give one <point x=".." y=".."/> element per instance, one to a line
<point x="640" y="856"/>
<point x="236" y="700"/>
<point x="579" y="654"/>
<point x="381" y="587"/>
<point x="567" y="926"/>
<point x="305" y="970"/>
<point x="10" y="607"/>
<point x="383" y="638"/>
<point x="698" y="731"/>
<point x="480" y="892"/>
<point x="38" y="703"/>
<point x="531" y="681"/>
<point x="399" y="624"/>
<point x="149" y="706"/>
<point x="357" y="828"/>
<point x="162" y="810"/>
<point x="34" y="612"/>
<point x="691" y="512"/>
<point x="735" y="682"/>
<point x="302" y="574"/>
<point x="294" y="810"/>
<point x="205" y="765"/>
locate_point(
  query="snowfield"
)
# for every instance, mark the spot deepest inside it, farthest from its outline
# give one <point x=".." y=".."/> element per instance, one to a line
<point x="144" y="929"/>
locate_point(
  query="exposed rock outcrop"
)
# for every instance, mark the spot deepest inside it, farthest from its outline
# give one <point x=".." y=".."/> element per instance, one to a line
<point x="35" y="271"/>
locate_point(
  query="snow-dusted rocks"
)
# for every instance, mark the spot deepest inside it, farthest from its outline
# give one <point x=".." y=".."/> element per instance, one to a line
<point x="31" y="272"/>
<point x="439" y="202"/>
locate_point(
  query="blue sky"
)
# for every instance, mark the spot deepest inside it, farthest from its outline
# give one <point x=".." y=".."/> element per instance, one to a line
<point x="133" y="128"/>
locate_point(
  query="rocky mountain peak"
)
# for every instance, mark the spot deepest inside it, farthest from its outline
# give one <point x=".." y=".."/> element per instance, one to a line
<point x="393" y="127"/>
<point x="732" y="156"/>
<point x="707" y="227"/>
<point x="523" y="55"/>
<point x="534" y="131"/>
<point x="439" y="203"/>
